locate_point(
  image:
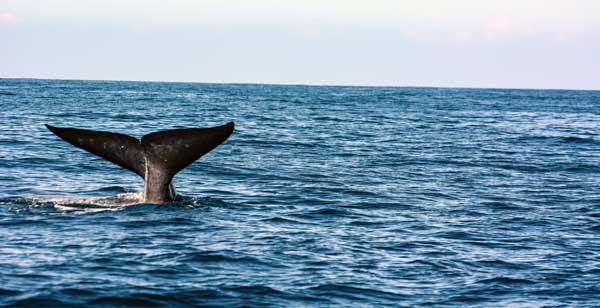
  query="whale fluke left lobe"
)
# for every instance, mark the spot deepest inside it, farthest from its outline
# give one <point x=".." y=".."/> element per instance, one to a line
<point x="123" y="150"/>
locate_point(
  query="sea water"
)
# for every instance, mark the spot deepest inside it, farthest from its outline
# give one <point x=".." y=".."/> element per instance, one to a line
<point x="323" y="196"/>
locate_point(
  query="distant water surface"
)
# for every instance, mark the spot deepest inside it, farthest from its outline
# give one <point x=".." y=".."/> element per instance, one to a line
<point x="323" y="196"/>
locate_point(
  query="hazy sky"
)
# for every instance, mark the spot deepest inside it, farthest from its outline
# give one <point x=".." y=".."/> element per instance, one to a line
<point x="468" y="43"/>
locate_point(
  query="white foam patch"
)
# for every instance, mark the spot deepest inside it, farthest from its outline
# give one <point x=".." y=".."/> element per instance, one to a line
<point x="92" y="204"/>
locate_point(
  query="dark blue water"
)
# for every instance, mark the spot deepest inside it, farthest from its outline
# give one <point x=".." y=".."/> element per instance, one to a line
<point x="323" y="196"/>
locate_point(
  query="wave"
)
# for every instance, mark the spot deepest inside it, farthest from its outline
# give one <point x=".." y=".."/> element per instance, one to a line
<point x="505" y="280"/>
<point x="561" y="139"/>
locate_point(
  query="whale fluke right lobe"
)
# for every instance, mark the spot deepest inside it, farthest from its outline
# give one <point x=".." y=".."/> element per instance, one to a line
<point x="177" y="148"/>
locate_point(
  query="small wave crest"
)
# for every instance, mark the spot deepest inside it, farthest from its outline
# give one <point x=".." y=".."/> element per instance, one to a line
<point x="561" y="139"/>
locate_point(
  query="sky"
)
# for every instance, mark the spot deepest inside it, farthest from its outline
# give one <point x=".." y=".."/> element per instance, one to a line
<point x="446" y="43"/>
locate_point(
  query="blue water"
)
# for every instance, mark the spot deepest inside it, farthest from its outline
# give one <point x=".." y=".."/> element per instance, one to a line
<point x="323" y="196"/>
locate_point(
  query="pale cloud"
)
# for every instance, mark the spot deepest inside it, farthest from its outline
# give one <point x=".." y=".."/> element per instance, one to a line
<point x="7" y="18"/>
<point x="463" y="14"/>
<point x="460" y="37"/>
<point x="501" y="28"/>
<point x="565" y="36"/>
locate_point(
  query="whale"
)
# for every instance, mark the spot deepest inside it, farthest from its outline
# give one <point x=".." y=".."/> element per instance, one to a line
<point x="156" y="157"/>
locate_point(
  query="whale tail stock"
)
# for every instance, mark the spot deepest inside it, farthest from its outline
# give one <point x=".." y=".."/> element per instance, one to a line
<point x="157" y="157"/>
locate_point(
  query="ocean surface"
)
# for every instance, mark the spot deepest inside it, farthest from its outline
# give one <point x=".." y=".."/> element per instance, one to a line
<point x="322" y="197"/>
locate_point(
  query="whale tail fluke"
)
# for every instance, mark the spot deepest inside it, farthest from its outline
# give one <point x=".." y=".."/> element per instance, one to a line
<point x="157" y="157"/>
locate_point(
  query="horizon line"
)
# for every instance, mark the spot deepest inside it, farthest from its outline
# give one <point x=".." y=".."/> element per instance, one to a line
<point x="311" y="85"/>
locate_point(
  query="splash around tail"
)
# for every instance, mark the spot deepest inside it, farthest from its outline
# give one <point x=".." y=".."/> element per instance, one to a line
<point x="157" y="157"/>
